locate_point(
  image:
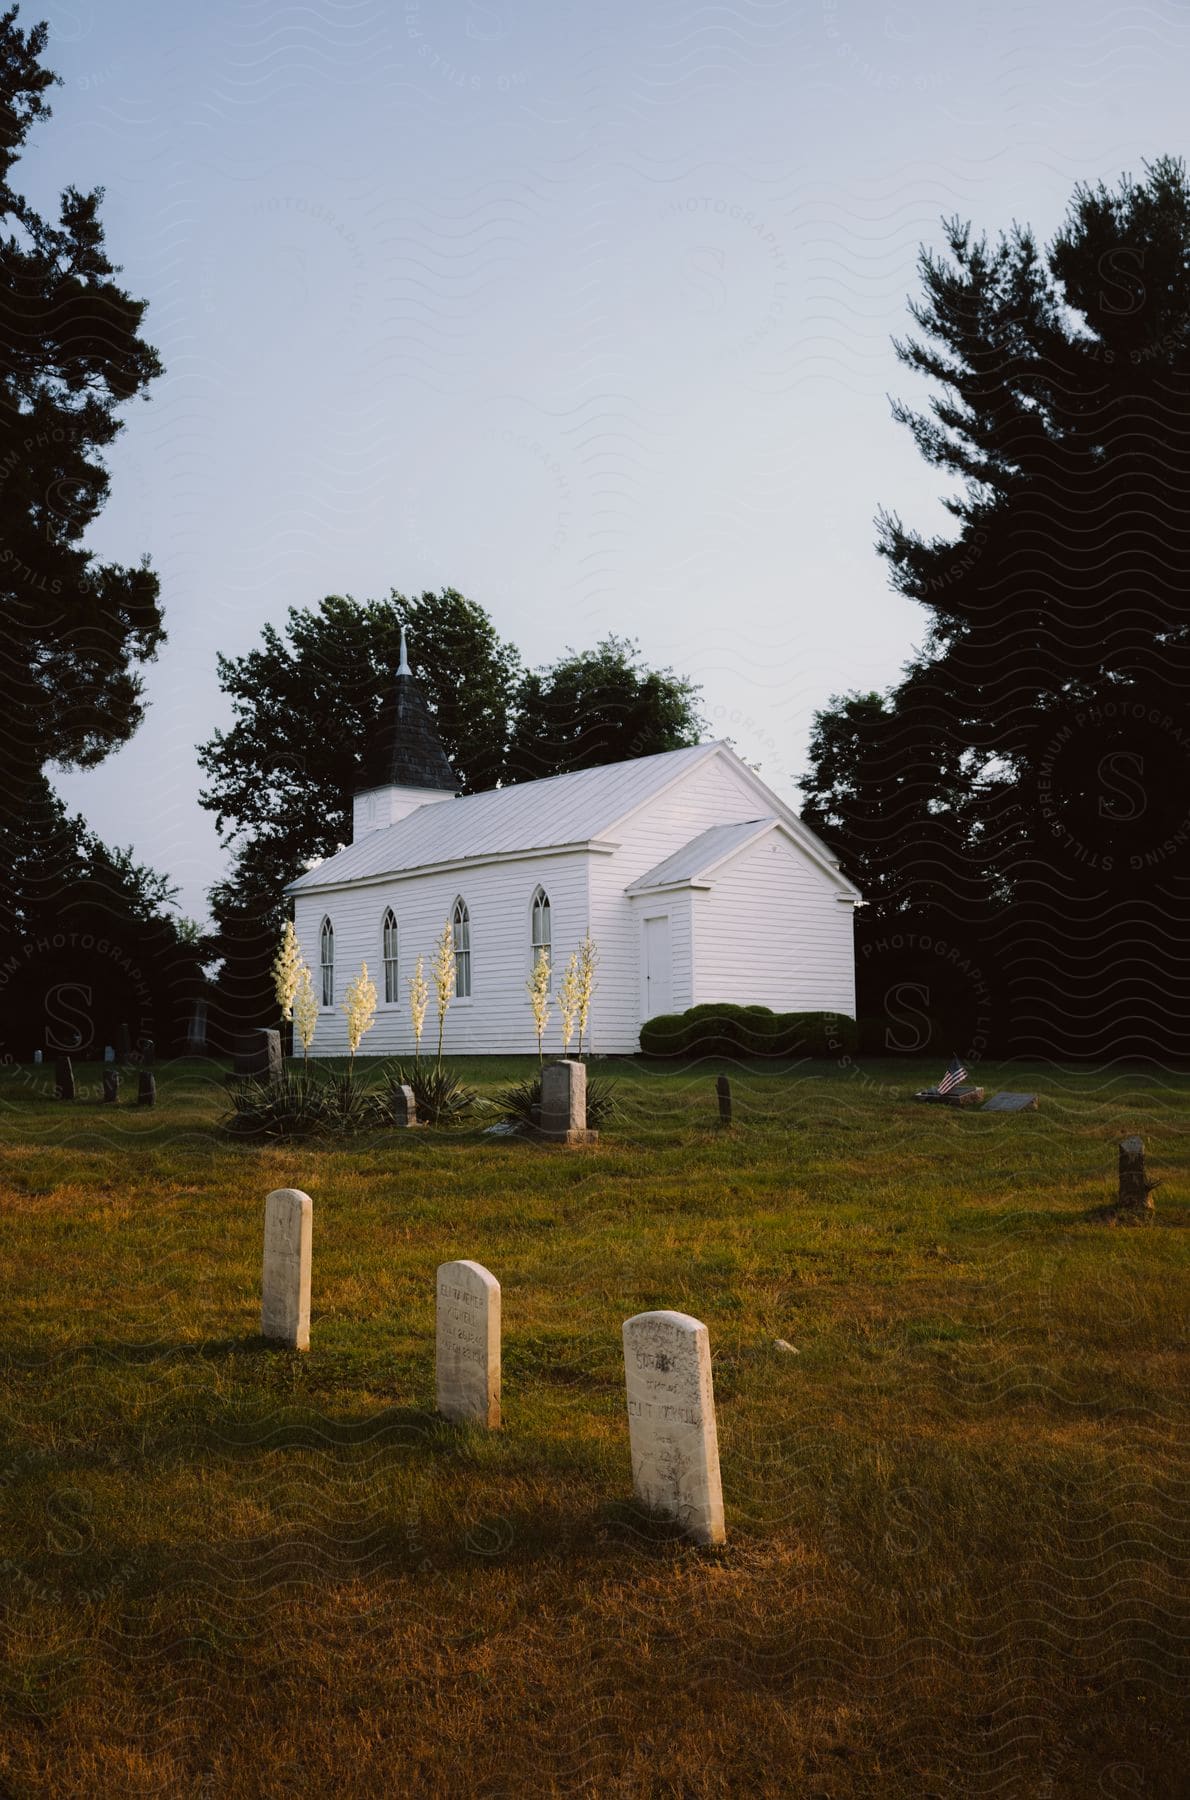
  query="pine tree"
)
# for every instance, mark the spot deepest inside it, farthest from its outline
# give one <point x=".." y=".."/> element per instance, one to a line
<point x="75" y="630"/>
<point x="1043" y="734"/>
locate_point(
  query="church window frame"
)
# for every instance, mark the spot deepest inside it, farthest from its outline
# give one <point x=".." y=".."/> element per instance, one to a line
<point x="540" y="930"/>
<point x="460" y="920"/>
<point x="326" y="961"/>
<point x="390" y="945"/>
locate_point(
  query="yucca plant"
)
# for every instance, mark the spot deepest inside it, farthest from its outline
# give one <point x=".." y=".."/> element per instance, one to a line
<point x="443" y="1098"/>
<point x="293" y="1106"/>
<point x="348" y="1108"/>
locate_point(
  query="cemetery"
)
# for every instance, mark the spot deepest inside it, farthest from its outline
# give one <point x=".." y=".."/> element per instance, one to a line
<point x="509" y="1463"/>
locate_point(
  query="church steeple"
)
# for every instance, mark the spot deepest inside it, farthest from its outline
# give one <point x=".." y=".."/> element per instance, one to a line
<point x="405" y="765"/>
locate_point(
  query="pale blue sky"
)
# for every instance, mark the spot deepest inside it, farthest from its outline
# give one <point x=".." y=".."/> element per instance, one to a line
<point x="584" y="310"/>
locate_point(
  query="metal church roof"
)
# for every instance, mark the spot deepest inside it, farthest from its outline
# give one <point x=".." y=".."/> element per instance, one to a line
<point x="701" y="854"/>
<point x="532" y="815"/>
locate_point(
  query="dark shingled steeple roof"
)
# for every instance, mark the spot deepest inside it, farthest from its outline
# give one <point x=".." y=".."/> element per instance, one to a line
<point x="405" y="750"/>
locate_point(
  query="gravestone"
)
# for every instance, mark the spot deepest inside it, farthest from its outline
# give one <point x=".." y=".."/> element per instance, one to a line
<point x="111" y="1087"/>
<point x="968" y="1096"/>
<point x="109" y="1053"/>
<point x="123" y="1043"/>
<point x="37" y="1056"/>
<point x="404" y="1106"/>
<point x="671" y="1421"/>
<point x="467" y="1344"/>
<point x="64" y="1078"/>
<point x="723" y="1089"/>
<point x="1010" y="1103"/>
<point x="146" y="1089"/>
<point x="1136" y="1190"/>
<point x="564" y="1104"/>
<point x="196" y="1029"/>
<point x="285" y="1288"/>
<point x="258" y="1053"/>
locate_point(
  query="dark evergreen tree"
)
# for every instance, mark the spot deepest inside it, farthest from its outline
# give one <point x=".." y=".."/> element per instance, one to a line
<point x="76" y="630"/>
<point x="95" y="942"/>
<point x="1043" y="736"/>
<point x="84" y="931"/>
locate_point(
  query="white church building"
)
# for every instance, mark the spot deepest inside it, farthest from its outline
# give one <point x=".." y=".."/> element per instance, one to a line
<point x="695" y="881"/>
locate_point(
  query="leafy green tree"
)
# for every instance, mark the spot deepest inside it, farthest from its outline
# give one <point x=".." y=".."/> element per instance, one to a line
<point x="599" y="706"/>
<point x="305" y="703"/>
<point x="76" y="630"/>
<point x="1044" y="731"/>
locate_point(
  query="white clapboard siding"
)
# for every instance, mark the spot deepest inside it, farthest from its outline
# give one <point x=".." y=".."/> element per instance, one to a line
<point x="498" y="1017"/>
<point x="772" y="931"/>
<point x="714" y="792"/>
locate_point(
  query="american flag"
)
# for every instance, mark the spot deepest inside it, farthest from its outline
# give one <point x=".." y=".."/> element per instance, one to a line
<point x="953" y="1076"/>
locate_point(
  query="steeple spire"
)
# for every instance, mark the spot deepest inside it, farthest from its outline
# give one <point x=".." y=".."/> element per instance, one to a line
<point x="405" y="750"/>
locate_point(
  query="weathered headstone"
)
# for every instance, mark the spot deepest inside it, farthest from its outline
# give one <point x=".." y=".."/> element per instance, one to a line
<point x="1010" y="1103"/>
<point x="146" y="1089"/>
<point x="258" y="1053"/>
<point x="123" y="1043"/>
<point x="111" y="1087"/>
<point x="723" y="1089"/>
<point x="64" y="1078"/>
<point x="404" y="1106"/>
<point x="467" y="1344"/>
<point x="285" y="1289"/>
<point x="671" y="1421"/>
<point x="109" y="1053"/>
<point x="564" y="1104"/>
<point x="37" y="1056"/>
<point x="196" y="1029"/>
<point x="1136" y="1190"/>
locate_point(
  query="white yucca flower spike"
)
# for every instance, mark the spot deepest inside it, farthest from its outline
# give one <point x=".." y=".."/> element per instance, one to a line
<point x="443" y="971"/>
<point x="568" y="998"/>
<point x="538" y="985"/>
<point x="419" y="1000"/>
<point x="588" y="959"/>
<point x="305" y="1010"/>
<point x="359" y="1004"/>
<point x="287" y="968"/>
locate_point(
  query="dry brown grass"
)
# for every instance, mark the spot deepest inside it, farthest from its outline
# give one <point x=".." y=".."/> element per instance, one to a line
<point x="956" y="1556"/>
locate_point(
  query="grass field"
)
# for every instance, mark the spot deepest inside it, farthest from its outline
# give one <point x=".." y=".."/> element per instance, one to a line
<point x="956" y="1551"/>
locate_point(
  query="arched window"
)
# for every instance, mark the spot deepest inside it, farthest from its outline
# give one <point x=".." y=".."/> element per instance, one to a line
<point x="327" y="956"/>
<point x="462" y="941"/>
<point x="388" y="948"/>
<point x="539" y="936"/>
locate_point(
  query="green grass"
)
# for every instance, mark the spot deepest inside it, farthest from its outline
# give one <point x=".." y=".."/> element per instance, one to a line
<point x="954" y="1563"/>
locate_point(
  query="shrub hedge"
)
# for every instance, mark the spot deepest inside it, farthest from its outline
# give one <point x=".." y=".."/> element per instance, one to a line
<point x="722" y="1029"/>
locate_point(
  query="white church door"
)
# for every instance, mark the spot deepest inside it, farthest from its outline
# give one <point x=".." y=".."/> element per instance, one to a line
<point x="658" y="995"/>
